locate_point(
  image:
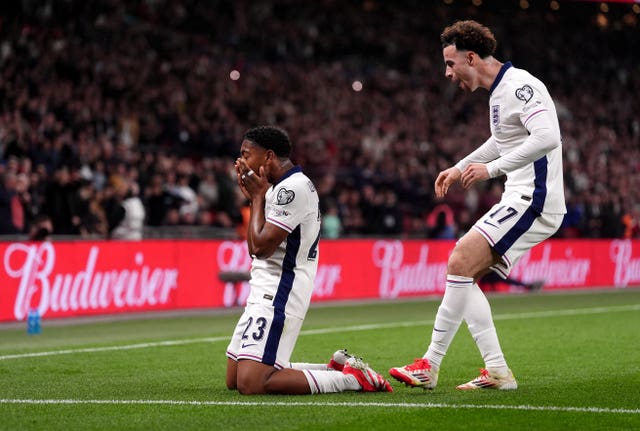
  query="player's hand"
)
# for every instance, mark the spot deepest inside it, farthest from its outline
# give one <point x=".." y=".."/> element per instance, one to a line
<point x="473" y="173"/>
<point x="445" y="179"/>
<point x="251" y="183"/>
<point x="241" y="167"/>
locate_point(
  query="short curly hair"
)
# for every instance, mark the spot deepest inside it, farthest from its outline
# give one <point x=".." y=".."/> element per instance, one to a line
<point x="469" y="36"/>
<point x="270" y="138"/>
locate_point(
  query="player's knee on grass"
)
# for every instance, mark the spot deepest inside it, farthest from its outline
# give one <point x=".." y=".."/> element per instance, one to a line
<point x="251" y="377"/>
<point x="247" y="386"/>
<point x="231" y="383"/>
<point x="232" y="374"/>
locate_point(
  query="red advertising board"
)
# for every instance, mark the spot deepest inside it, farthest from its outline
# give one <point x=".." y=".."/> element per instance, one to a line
<point x="64" y="279"/>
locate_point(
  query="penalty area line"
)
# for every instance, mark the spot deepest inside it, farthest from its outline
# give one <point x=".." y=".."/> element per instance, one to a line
<point x="569" y="409"/>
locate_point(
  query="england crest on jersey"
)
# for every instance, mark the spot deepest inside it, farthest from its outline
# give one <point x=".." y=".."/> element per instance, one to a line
<point x="495" y="115"/>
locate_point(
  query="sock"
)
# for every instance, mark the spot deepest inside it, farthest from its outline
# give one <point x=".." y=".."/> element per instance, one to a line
<point x="448" y="318"/>
<point x="325" y="382"/>
<point x="480" y="323"/>
<point x="307" y="366"/>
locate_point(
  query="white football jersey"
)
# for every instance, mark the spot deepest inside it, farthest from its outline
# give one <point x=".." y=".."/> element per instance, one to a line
<point x="519" y="105"/>
<point x="286" y="279"/>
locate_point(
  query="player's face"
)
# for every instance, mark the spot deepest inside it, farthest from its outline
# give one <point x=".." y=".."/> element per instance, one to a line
<point x="253" y="155"/>
<point x="458" y="67"/>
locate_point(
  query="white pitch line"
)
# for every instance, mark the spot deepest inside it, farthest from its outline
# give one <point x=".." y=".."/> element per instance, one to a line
<point x="112" y="348"/>
<point x="353" y="328"/>
<point x="325" y="404"/>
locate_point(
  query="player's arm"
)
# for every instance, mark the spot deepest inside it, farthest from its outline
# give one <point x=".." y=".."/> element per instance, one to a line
<point x="543" y="137"/>
<point x="473" y="168"/>
<point x="486" y="152"/>
<point x="291" y="203"/>
<point x="263" y="237"/>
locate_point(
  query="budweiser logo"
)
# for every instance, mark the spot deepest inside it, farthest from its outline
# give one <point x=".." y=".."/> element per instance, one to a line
<point x="327" y="277"/>
<point x="570" y="271"/>
<point x="398" y="277"/>
<point x="627" y="270"/>
<point x="42" y="287"/>
<point x="234" y="257"/>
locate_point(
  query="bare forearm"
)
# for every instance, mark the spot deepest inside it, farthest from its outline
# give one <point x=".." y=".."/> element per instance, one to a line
<point x="256" y="224"/>
<point x="265" y="237"/>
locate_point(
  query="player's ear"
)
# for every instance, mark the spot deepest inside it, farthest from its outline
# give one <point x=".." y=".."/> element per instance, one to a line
<point x="270" y="155"/>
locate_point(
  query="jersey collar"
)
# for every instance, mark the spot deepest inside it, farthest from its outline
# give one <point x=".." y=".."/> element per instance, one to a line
<point x="289" y="173"/>
<point x="503" y="70"/>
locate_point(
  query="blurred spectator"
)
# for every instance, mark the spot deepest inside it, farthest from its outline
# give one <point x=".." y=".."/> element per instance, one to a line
<point x="12" y="219"/>
<point x="188" y="206"/>
<point x="331" y="224"/>
<point x="441" y="223"/>
<point x="158" y="201"/>
<point x="350" y="208"/>
<point x="124" y="210"/>
<point x="125" y="88"/>
<point x="572" y="220"/>
<point x="208" y="190"/>
<point x="631" y="222"/>
<point x="390" y="216"/>
<point x="241" y="228"/>
<point x="41" y="228"/>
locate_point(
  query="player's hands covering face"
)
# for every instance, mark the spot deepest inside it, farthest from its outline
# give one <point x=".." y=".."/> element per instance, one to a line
<point x="251" y="183"/>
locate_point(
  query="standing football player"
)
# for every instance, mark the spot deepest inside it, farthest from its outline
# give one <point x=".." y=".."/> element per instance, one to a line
<point x="525" y="146"/>
<point x="282" y="238"/>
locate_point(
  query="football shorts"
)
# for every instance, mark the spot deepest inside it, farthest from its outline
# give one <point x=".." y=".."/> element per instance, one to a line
<point x="266" y="335"/>
<point x="512" y="228"/>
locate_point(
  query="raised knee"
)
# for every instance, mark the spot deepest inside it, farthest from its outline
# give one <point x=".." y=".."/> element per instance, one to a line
<point x="456" y="265"/>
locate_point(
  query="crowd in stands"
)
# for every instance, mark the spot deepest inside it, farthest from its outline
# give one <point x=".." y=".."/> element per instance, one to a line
<point x="117" y="113"/>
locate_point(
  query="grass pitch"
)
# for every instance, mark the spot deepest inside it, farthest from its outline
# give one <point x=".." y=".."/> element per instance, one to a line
<point x="576" y="357"/>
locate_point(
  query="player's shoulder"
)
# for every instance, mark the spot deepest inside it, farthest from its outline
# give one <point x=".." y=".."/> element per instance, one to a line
<point x="292" y="187"/>
<point x="298" y="179"/>
<point x="516" y="78"/>
<point x="521" y="86"/>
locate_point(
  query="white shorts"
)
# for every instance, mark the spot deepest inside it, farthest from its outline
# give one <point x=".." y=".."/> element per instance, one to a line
<point x="264" y="335"/>
<point x="513" y="227"/>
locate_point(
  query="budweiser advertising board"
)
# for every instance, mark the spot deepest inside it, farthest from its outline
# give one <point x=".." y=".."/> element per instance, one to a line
<point x="64" y="279"/>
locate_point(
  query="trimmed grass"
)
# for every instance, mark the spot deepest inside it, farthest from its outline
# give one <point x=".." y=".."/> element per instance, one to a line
<point x="576" y="357"/>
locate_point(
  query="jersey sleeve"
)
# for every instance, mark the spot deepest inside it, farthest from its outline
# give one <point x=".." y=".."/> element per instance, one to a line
<point x="486" y="152"/>
<point x="528" y="102"/>
<point x="288" y="206"/>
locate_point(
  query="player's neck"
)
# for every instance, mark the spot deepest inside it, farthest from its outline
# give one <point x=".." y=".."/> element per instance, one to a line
<point x="490" y="70"/>
<point x="284" y="167"/>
